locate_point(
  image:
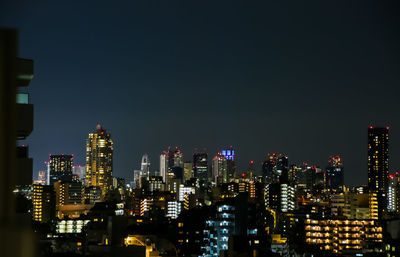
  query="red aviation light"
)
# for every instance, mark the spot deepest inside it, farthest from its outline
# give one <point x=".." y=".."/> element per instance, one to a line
<point x="387" y="127"/>
<point x="371" y="127"/>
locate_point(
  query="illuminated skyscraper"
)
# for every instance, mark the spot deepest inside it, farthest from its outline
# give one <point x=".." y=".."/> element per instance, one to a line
<point x="145" y="165"/>
<point x="61" y="167"/>
<point x="99" y="160"/>
<point x="230" y="162"/>
<point x="170" y="162"/>
<point x="200" y="166"/>
<point x="334" y="173"/>
<point x="378" y="166"/>
<point x="219" y="169"/>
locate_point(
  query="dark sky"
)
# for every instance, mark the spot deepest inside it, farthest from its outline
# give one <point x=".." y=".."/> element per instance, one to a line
<point x="305" y="79"/>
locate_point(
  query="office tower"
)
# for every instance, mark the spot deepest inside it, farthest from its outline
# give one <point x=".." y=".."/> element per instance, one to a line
<point x="230" y="162"/>
<point x="60" y="167"/>
<point x="220" y="169"/>
<point x="164" y="166"/>
<point x="99" y="160"/>
<point x="145" y="165"/>
<point x="187" y="171"/>
<point x="43" y="201"/>
<point x="334" y="173"/>
<point x="275" y="168"/>
<point x="168" y="160"/>
<point x="200" y="166"/>
<point x="137" y="178"/>
<point x="378" y="167"/>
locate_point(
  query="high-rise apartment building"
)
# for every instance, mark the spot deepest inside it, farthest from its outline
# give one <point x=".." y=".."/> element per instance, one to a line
<point x="200" y="166"/>
<point x="43" y="201"/>
<point x="334" y="173"/>
<point x="99" y="160"/>
<point x="378" y="167"/>
<point x="394" y="193"/>
<point x="60" y="168"/>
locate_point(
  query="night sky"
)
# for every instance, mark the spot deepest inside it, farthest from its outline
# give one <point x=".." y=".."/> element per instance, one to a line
<point x="303" y="79"/>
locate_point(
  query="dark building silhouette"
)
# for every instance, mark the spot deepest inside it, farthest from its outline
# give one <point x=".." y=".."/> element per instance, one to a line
<point x="334" y="173"/>
<point x="200" y="166"/>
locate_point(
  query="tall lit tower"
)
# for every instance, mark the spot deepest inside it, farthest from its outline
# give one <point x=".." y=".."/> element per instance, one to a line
<point x="378" y="168"/>
<point x="219" y="169"/>
<point x="145" y="165"/>
<point x="334" y="173"/>
<point x="230" y="162"/>
<point x="99" y="160"/>
<point x="170" y="161"/>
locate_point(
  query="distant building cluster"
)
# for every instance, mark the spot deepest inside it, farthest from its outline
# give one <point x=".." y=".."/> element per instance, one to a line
<point x="200" y="204"/>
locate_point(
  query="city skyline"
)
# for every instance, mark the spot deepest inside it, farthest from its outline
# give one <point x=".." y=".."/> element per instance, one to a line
<point x="266" y="78"/>
<point x="154" y="168"/>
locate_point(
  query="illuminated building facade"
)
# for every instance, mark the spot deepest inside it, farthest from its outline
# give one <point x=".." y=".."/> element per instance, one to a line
<point x="280" y="197"/>
<point x="220" y="169"/>
<point x="43" y="201"/>
<point x="394" y="193"/>
<point x="338" y="235"/>
<point x="61" y="167"/>
<point x="218" y="230"/>
<point x="171" y="162"/>
<point x="334" y="173"/>
<point x="230" y="162"/>
<point x="200" y="166"/>
<point x="145" y="165"/>
<point x="156" y="183"/>
<point x="99" y="160"/>
<point x="378" y="167"/>
<point x="187" y="171"/>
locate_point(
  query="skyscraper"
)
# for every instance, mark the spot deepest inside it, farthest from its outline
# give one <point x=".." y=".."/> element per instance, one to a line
<point x="170" y="162"/>
<point x="334" y="173"/>
<point x="275" y="168"/>
<point x="145" y="165"/>
<point x="200" y="166"/>
<point x="230" y="162"/>
<point x="219" y="169"/>
<point x="378" y="167"/>
<point x="60" y="167"/>
<point x="99" y="160"/>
